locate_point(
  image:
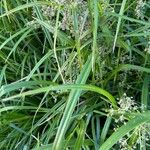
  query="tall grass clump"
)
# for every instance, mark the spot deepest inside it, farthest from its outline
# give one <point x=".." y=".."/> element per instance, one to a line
<point x="74" y="74"/>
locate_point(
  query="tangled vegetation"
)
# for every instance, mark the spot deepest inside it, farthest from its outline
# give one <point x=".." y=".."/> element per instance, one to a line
<point x="74" y="74"/>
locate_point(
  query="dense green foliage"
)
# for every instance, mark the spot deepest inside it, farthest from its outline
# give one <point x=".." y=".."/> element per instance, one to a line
<point x="74" y="74"/>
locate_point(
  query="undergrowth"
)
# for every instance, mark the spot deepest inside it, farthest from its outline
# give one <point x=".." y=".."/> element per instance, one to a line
<point x="74" y="74"/>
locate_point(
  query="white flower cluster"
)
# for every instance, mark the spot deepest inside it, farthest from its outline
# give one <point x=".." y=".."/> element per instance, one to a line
<point x="123" y="144"/>
<point x="139" y="11"/>
<point x="66" y="15"/>
<point x="127" y="103"/>
<point x="33" y="24"/>
<point x="142" y="132"/>
<point x="48" y="11"/>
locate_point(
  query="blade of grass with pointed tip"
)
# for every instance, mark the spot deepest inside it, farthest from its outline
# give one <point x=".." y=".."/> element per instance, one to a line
<point x="17" y="85"/>
<point x="81" y="87"/>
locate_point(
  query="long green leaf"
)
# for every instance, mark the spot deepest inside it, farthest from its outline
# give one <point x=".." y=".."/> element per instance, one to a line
<point x="58" y="87"/>
<point x="17" y="85"/>
<point x="119" y="22"/>
<point x="70" y="106"/>
<point x="95" y="29"/>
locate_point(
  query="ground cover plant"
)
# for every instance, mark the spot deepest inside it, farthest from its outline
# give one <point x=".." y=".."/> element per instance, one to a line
<point x="74" y="74"/>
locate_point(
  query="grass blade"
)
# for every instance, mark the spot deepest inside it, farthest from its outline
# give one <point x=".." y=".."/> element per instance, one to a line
<point x="145" y="91"/>
<point x="81" y="87"/>
<point x="71" y="103"/>
<point x="119" y="22"/>
<point x="21" y="7"/>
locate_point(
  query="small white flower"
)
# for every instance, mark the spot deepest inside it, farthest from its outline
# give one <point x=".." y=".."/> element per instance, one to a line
<point x="139" y="11"/>
<point x="127" y="103"/>
<point x="121" y="118"/>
